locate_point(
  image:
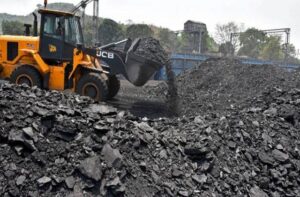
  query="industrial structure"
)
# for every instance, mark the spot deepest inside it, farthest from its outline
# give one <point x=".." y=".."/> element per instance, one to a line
<point x="196" y="33"/>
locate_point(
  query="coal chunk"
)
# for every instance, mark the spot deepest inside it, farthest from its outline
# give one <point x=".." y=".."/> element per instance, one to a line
<point x="257" y="192"/>
<point x="280" y="156"/>
<point x="20" y="180"/>
<point x="266" y="158"/>
<point x="70" y="182"/>
<point x="43" y="180"/>
<point x="111" y="156"/>
<point x="91" y="168"/>
<point x="102" y="109"/>
<point x="19" y="137"/>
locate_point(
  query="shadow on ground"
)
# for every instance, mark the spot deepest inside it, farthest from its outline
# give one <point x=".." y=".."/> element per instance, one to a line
<point x="134" y="100"/>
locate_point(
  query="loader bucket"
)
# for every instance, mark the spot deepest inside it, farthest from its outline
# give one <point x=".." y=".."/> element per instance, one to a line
<point x="139" y="69"/>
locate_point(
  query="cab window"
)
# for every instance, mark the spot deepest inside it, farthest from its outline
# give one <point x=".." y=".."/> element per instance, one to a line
<point x="73" y="35"/>
<point x="54" y="26"/>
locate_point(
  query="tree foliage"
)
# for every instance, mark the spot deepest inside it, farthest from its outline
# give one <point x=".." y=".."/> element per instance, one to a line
<point x="272" y="49"/>
<point x="12" y="28"/>
<point x="210" y="44"/>
<point x="168" y="39"/>
<point x="184" y="42"/>
<point x="139" y="30"/>
<point x="257" y="44"/>
<point x="110" y="31"/>
<point x="252" y="41"/>
<point x="224" y="32"/>
<point x="292" y="54"/>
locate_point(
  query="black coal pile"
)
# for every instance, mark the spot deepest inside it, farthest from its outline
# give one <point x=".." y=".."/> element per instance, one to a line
<point x="219" y="84"/>
<point x="151" y="49"/>
<point x="53" y="144"/>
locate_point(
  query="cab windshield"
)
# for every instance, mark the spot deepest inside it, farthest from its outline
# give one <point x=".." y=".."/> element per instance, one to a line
<point x="72" y="28"/>
<point x="63" y="27"/>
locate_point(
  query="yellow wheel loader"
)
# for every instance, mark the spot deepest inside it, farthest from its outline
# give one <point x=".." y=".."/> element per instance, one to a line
<point x="57" y="59"/>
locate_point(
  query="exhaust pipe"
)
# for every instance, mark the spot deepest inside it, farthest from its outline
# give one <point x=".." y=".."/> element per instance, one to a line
<point x="27" y="29"/>
<point x="35" y="24"/>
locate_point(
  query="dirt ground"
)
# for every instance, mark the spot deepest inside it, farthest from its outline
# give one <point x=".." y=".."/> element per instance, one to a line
<point x="133" y="99"/>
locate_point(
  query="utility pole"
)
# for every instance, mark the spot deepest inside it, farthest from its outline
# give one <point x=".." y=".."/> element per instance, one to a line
<point x="288" y="34"/>
<point x="96" y="21"/>
<point x="83" y="14"/>
<point x="200" y="41"/>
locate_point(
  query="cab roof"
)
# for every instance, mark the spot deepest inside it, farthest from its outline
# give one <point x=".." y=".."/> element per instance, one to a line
<point x="55" y="12"/>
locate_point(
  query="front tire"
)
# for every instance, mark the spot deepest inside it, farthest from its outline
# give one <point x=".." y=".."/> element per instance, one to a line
<point x="26" y="75"/>
<point x="93" y="86"/>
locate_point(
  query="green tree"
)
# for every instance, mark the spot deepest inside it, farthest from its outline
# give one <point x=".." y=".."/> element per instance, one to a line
<point x="224" y="31"/>
<point x="12" y="28"/>
<point x="272" y="49"/>
<point x="168" y="39"/>
<point x="184" y="42"/>
<point x="291" y="53"/>
<point x="164" y="36"/>
<point x="252" y="42"/>
<point x="210" y="44"/>
<point x="110" y="31"/>
<point x="139" y="30"/>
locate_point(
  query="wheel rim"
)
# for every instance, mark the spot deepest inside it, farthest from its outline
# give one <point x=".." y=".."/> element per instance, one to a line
<point x="24" y="79"/>
<point x="91" y="90"/>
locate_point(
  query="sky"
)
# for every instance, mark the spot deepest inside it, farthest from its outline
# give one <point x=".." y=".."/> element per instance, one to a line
<point x="261" y="14"/>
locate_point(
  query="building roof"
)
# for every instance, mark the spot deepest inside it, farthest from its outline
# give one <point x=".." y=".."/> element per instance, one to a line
<point x="197" y="22"/>
<point x="56" y="12"/>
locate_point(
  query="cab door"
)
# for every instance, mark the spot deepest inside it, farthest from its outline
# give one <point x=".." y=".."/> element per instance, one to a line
<point x="51" y="38"/>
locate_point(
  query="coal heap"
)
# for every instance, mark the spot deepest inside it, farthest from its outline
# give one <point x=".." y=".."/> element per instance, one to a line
<point x="151" y="49"/>
<point x="219" y="84"/>
<point x="55" y="144"/>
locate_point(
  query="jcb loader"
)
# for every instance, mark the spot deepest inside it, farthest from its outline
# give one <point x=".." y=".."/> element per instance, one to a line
<point x="57" y="59"/>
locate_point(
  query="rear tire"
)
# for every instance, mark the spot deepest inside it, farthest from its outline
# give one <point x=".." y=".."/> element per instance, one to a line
<point x="26" y="75"/>
<point x="113" y="86"/>
<point x="93" y="86"/>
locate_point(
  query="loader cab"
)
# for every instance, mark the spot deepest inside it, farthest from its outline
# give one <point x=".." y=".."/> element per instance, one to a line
<point x="60" y="33"/>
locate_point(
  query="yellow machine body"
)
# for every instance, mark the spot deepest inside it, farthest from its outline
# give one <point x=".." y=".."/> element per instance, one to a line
<point x="56" y="59"/>
<point x="28" y="54"/>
